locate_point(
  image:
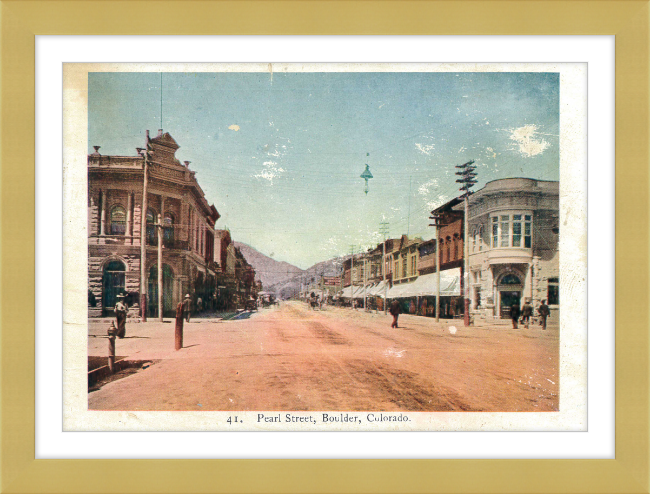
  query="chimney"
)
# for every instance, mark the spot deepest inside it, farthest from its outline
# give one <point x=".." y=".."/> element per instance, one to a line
<point x="147" y="132"/>
<point x="160" y="132"/>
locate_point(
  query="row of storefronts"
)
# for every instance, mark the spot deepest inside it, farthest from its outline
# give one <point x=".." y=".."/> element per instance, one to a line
<point x="196" y="258"/>
<point x="512" y="248"/>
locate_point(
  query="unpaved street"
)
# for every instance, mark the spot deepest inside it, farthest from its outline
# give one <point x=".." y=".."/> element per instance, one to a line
<point x="295" y="359"/>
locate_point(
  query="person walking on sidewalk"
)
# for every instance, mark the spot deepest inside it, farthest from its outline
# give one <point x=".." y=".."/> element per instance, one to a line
<point x="515" y="312"/>
<point x="187" y="307"/>
<point x="121" y="310"/>
<point x="526" y="312"/>
<point x="395" y="312"/>
<point x="544" y="313"/>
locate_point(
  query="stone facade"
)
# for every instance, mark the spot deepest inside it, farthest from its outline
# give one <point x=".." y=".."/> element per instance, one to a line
<point x="115" y="219"/>
<point x="513" y="246"/>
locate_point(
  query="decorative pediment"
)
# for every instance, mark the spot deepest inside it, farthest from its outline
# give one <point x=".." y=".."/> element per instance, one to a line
<point x="165" y="140"/>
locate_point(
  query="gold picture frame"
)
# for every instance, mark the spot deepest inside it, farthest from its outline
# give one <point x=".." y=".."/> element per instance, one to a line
<point x="22" y="20"/>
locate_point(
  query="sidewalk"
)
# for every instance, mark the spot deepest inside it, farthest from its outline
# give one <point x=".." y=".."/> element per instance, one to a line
<point x="428" y="322"/>
<point x="154" y="339"/>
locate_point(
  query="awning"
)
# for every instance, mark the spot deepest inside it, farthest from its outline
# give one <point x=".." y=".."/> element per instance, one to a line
<point x="379" y="290"/>
<point x="346" y="292"/>
<point x="425" y="286"/>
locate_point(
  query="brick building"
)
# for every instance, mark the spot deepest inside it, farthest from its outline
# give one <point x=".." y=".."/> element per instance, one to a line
<point x="115" y="193"/>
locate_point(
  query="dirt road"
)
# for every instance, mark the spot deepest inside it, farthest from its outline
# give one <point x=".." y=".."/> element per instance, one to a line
<point x="295" y="359"/>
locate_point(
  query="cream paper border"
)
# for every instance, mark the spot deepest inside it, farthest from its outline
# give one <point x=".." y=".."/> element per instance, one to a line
<point x="573" y="265"/>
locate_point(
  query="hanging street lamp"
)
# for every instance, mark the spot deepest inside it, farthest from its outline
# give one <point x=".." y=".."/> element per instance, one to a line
<point x="366" y="175"/>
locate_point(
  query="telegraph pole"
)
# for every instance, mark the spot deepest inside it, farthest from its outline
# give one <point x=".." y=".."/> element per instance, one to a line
<point x="160" y="270"/>
<point x="352" y="276"/>
<point x="146" y="152"/>
<point x="436" y="223"/>
<point x="365" y="284"/>
<point x="383" y="229"/>
<point x="467" y="173"/>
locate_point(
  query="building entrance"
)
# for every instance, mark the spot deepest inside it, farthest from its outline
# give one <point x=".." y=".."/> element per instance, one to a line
<point x="508" y="299"/>
<point x="510" y="289"/>
<point x="113" y="284"/>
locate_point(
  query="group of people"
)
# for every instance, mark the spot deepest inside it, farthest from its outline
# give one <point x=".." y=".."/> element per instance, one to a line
<point x="526" y="311"/>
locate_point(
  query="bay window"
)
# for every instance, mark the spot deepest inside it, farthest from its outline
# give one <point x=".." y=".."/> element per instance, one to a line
<point x="512" y="230"/>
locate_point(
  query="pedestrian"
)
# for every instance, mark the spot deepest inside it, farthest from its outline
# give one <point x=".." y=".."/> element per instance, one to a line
<point x="199" y="304"/>
<point x="544" y="313"/>
<point x="395" y="311"/>
<point x="121" y="310"/>
<point x="187" y="307"/>
<point x="526" y="312"/>
<point x="515" y="312"/>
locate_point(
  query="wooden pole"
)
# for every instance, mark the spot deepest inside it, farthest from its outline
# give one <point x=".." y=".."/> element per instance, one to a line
<point x="112" y="332"/>
<point x="178" y="332"/>
<point x="160" y="270"/>
<point x="143" y="235"/>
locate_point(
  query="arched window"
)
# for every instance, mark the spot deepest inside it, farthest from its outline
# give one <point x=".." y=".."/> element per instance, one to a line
<point x="118" y="220"/>
<point x="151" y="229"/>
<point x="510" y="279"/>
<point x="168" y="230"/>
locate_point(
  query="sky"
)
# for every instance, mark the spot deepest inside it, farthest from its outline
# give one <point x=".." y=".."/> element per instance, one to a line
<point x="280" y="155"/>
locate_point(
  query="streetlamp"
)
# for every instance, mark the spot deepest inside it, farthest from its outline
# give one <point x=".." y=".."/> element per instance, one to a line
<point x="366" y="175"/>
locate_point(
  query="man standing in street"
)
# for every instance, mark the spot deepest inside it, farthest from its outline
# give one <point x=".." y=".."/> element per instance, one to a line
<point x="120" y="315"/>
<point x="395" y="312"/>
<point x="526" y="312"/>
<point x="543" y="312"/>
<point x="187" y="307"/>
<point x="515" y="312"/>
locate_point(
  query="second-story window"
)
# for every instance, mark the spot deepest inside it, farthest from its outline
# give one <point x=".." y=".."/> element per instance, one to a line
<point x="413" y="265"/>
<point x="168" y="230"/>
<point x="512" y="230"/>
<point x="151" y="229"/>
<point x="404" y="268"/>
<point x="118" y="220"/>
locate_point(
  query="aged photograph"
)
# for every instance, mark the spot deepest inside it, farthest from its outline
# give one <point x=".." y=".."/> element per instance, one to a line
<point x="356" y="244"/>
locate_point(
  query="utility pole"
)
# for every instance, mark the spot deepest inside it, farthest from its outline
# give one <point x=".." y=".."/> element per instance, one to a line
<point x="365" y="284"/>
<point x="408" y="227"/>
<point x="352" y="276"/>
<point x="383" y="229"/>
<point x="146" y="153"/>
<point x="160" y="270"/>
<point x="467" y="173"/>
<point x="436" y="223"/>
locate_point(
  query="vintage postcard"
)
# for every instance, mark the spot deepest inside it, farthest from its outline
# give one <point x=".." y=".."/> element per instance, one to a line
<point x="359" y="247"/>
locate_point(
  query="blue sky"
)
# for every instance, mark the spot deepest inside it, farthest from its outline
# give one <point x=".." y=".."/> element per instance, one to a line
<point x="280" y="155"/>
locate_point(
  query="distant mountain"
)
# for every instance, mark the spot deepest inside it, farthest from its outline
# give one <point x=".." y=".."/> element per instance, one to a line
<point x="290" y="287"/>
<point x="269" y="271"/>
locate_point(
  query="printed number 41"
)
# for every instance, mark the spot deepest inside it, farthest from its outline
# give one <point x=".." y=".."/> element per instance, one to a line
<point x="234" y="419"/>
